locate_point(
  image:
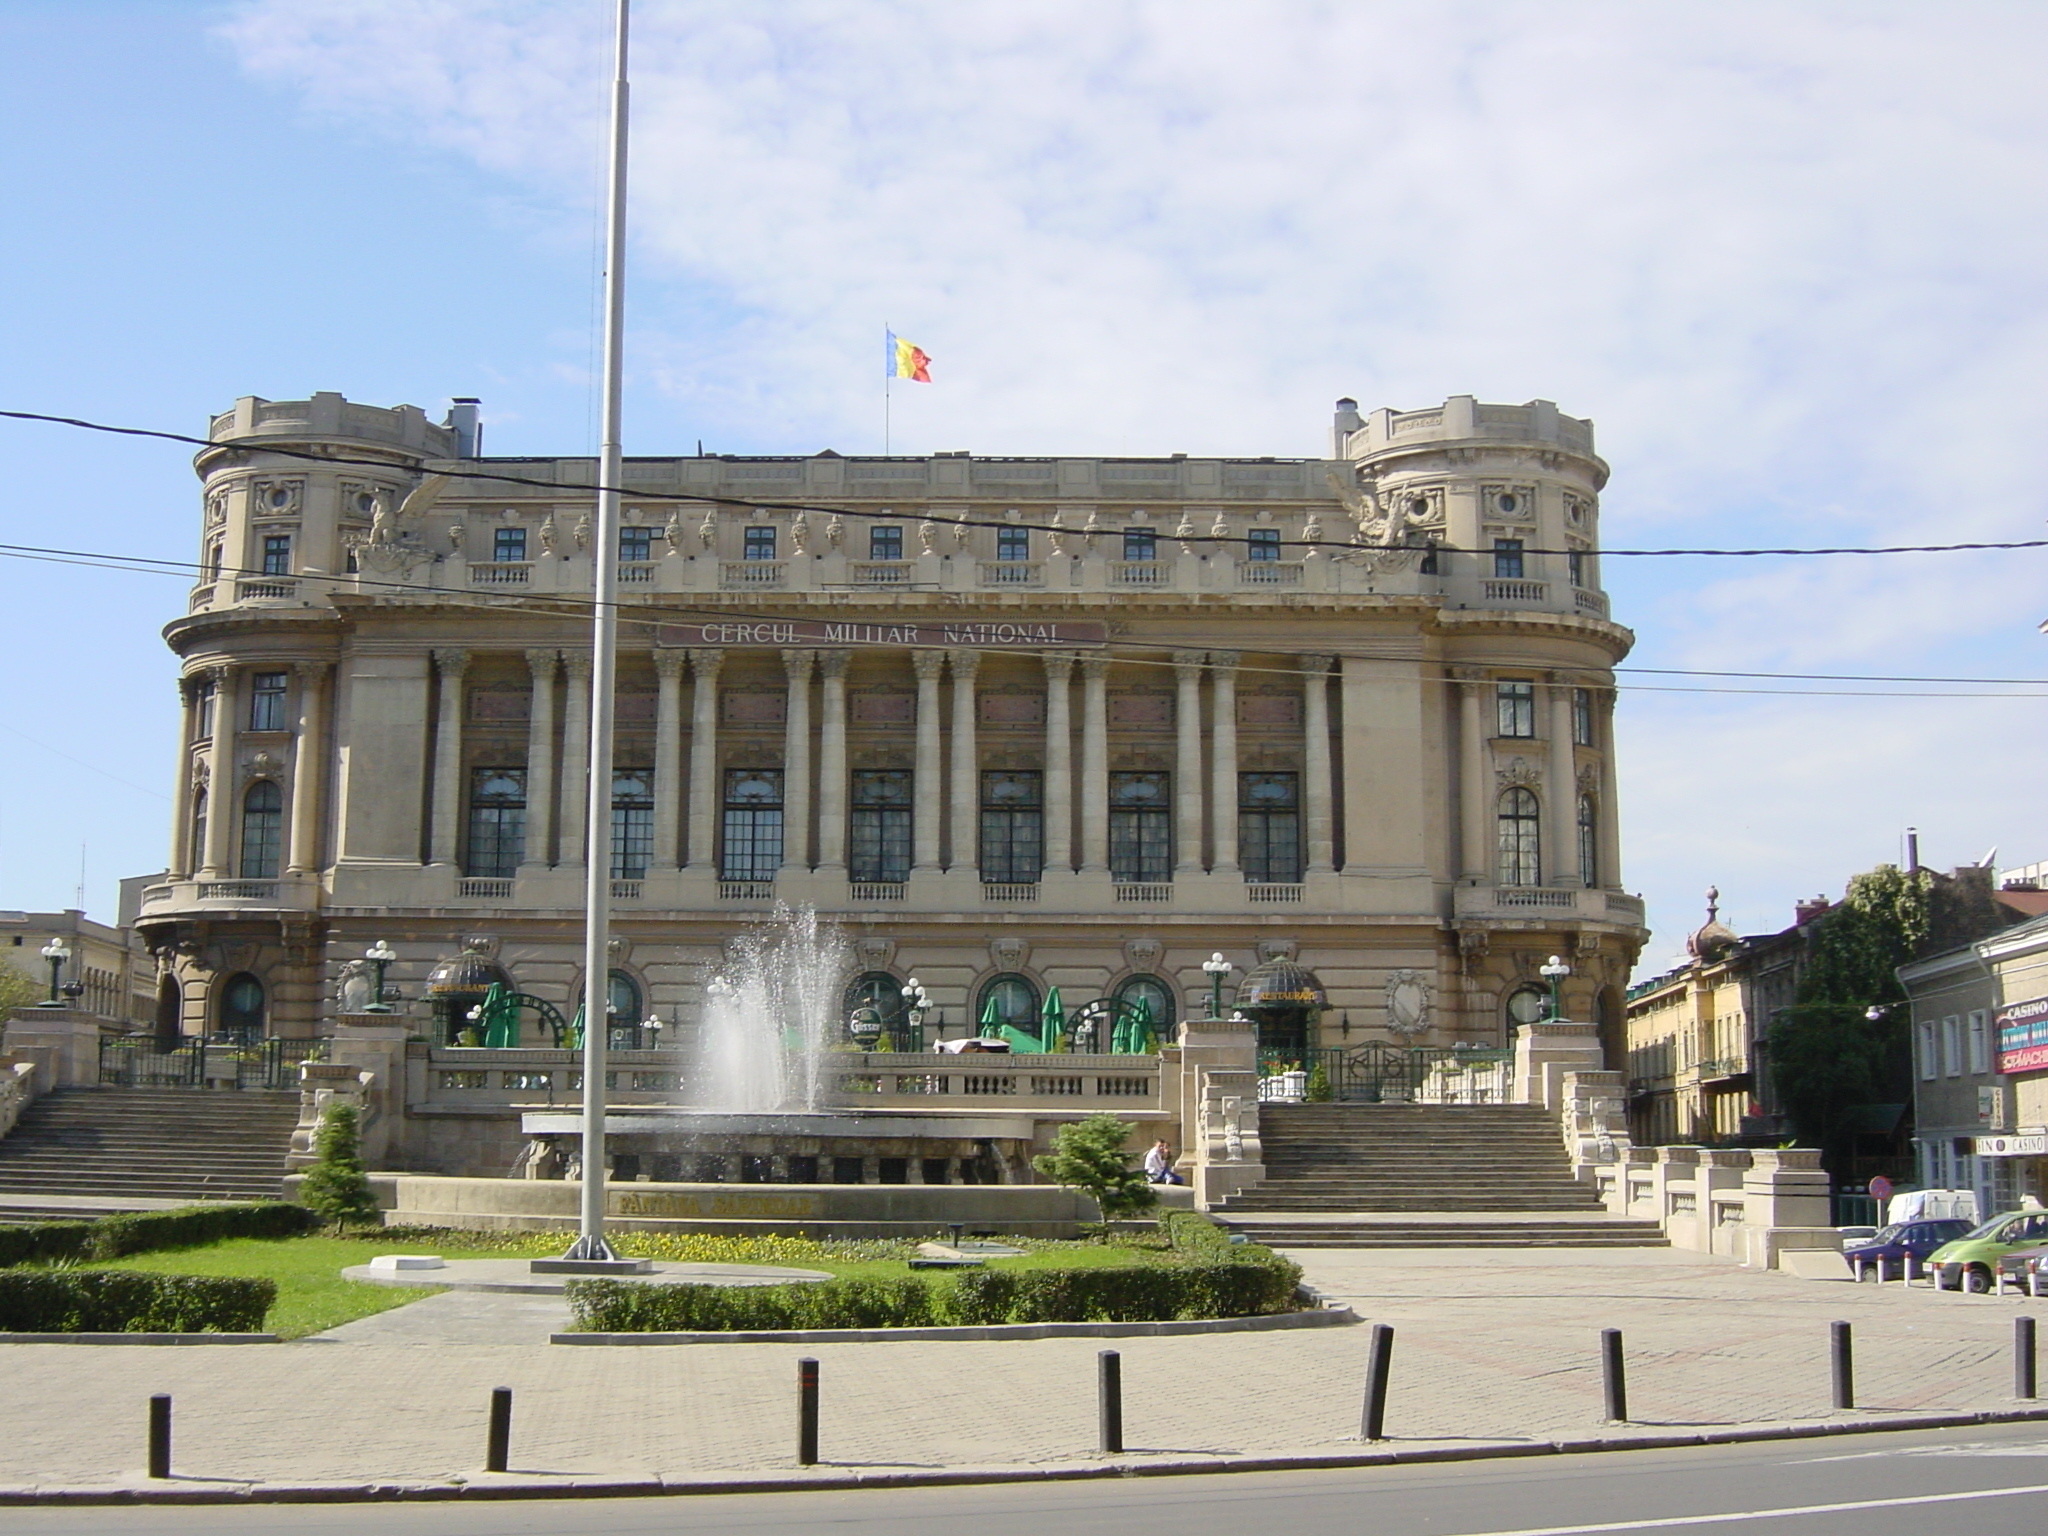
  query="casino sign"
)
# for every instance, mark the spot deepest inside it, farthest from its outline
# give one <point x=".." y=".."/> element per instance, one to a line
<point x="2023" y="1036"/>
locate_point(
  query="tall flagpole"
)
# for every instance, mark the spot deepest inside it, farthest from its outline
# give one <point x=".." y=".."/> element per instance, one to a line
<point x="888" y="378"/>
<point x="604" y="639"/>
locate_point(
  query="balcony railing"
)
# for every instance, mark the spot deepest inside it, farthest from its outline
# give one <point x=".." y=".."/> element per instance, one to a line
<point x="1143" y="891"/>
<point x="1010" y="573"/>
<point x="636" y="573"/>
<point x="1267" y="892"/>
<point x="1140" y="573"/>
<point x="744" y="575"/>
<point x="746" y="890"/>
<point x="881" y="573"/>
<point x="1269" y="573"/>
<point x="484" y="889"/>
<point x="269" y="589"/>
<point x="501" y="573"/>
<point x="238" y="890"/>
<point x="626" y="890"/>
<point x="877" y="890"/>
<point x="1516" y="591"/>
<point x="1535" y="896"/>
<point x="1594" y="603"/>
<point x="1012" y="892"/>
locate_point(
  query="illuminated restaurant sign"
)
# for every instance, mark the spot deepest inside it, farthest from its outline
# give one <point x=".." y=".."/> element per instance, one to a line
<point x="2023" y="1036"/>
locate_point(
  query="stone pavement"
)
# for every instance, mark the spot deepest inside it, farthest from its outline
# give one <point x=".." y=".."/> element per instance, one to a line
<point x="1490" y="1347"/>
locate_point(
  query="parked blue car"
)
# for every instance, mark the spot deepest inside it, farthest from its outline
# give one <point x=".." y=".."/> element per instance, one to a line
<point x="1885" y="1254"/>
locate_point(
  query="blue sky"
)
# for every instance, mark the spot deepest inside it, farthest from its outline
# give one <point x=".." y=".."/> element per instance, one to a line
<point x="1789" y="259"/>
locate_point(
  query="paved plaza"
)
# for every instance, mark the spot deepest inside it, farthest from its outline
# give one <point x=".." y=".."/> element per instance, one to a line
<point x="1490" y="1347"/>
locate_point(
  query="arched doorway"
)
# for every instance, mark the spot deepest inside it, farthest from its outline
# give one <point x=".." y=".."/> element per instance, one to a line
<point x="1158" y="999"/>
<point x="241" y="1010"/>
<point x="1284" y="1000"/>
<point x="170" y="1013"/>
<point x="884" y="993"/>
<point x="1007" y="1001"/>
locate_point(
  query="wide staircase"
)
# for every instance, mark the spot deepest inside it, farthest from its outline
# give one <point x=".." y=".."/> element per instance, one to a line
<point x="1421" y="1176"/>
<point x="141" y="1147"/>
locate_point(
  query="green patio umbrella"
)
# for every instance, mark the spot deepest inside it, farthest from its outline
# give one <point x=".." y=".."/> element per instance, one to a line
<point x="1143" y="1037"/>
<point x="574" y="1032"/>
<point x="497" y="1019"/>
<point x="991" y="1019"/>
<point x="1052" y="1018"/>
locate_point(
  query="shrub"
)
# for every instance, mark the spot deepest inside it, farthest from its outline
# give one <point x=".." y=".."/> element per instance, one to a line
<point x="43" y="1242"/>
<point x="1140" y="1293"/>
<point x="113" y="1237"/>
<point x="1202" y="1241"/>
<point x="335" y="1184"/>
<point x="1319" y="1084"/>
<point x="110" y="1301"/>
<point x="1089" y="1157"/>
<point x="618" y="1306"/>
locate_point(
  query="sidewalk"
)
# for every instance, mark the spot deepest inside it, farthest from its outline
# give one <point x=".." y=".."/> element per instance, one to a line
<point x="1491" y="1347"/>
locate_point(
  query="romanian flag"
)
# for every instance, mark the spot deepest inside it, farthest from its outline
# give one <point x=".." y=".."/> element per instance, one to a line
<point x="907" y="360"/>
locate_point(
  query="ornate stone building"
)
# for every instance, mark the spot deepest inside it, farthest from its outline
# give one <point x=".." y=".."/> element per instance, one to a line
<point x="1017" y="723"/>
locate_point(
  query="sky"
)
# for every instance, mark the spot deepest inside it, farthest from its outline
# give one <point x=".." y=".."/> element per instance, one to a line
<point x="1790" y="259"/>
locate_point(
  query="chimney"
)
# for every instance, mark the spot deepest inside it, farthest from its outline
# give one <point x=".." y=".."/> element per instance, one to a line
<point x="1805" y="912"/>
<point x="1912" y="849"/>
<point x="1347" y="422"/>
<point x="468" y="429"/>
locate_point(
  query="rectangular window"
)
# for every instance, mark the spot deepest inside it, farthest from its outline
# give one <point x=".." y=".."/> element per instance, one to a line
<point x="1930" y="1061"/>
<point x="497" y="823"/>
<point x="1517" y="707"/>
<point x="277" y="554"/>
<point x="636" y="544"/>
<point x="216" y="553"/>
<point x="1141" y="828"/>
<point x="202" y="725"/>
<point x="1575" y="565"/>
<point x="266" y="701"/>
<point x="1013" y="543"/>
<point x="1582" y="717"/>
<point x="508" y="544"/>
<point x="1141" y="544"/>
<point x="1269" y="827"/>
<point x="878" y="832"/>
<point x="885" y="542"/>
<point x="632" y="823"/>
<point x="753" y="823"/>
<point x="1507" y="559"/>
<point x="1262" y="544"/>
<point x="1952" y="1046"/>
<point x="1012" y="827"/>
<point x="760" y="542"/>
<point x="1980" y="1044"/>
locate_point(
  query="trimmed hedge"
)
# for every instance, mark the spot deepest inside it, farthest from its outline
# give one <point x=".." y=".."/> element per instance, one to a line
<point x="114" y="1237"/>
<point x="1202" y="1241"/>
<point x="112" y="1301"/>
<point x="1159" y="1292"/>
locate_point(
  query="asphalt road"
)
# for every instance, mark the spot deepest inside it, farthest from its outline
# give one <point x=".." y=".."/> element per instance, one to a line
<point x="1987" y="1482"/>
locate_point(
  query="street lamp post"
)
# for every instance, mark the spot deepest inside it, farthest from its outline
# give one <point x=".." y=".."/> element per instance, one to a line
<point x="1554" y="972"/>
<point x="1216" y="968"/>
<point x="56" y="952"/>
<point x="651" y="1026"/>
<point x="379" y="954"/>
<point x="916" y="1000"/>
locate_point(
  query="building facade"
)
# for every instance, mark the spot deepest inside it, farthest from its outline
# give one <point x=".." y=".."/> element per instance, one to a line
<point x="1016" y="724"/>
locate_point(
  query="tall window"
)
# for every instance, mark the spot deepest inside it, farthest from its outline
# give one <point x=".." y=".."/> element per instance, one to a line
<point x="241" y="1009"/>
<point x="277" y="554"/>
<point x="1582" y="716"/>
<point x="1141" y="544"/>
<point x="1980" y="1046"/>
<point x="1262" y="544"/>
<point x="1521" y="839"/>
<point x="636" y="543"/>
<point x="1589" y="842"/>
<point x="760" y="542"/>
<point x="497" y="822"/>
<point x="262" y="830"/>
<point x="1269" y="827"/>
<point x="1012" y="827"/>
<point x="1010" y="1000"/>
<point x="1507" y="559"/>
<point x="202" y="727"/>
<point x="753" y="824"/>
<point x="885" y="542"/>
<point x="1157" y="997"/>
<point x="632" y="823"/>
<point x="1575" y="566"/>
<point x="266" y="701"/>
<point x="1013" y="543"/>
<point x="1141" y="827"/>
<point x="878" y="836"/>
<point x="1517" y="707"/>
<point x="508" y="544"/>
<point x="216" y="555"/>
<point x="198" y="827"/>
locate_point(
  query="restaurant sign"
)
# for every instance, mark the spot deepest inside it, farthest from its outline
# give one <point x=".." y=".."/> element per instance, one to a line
<point x="2023" y="1036"/>
<point x="1005" y="634"/>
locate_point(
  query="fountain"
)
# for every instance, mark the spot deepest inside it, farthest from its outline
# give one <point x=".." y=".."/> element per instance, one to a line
<point x="771" y="1016"/>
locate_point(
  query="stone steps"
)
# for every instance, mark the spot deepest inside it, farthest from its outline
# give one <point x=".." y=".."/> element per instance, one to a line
<point x="148" y="1145"/>
<point x="1506" y="1233"/>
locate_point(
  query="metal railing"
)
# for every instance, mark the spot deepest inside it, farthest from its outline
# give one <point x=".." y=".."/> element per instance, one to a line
<point x="1378" y="1073"/>
<point x="139" y="1061"/>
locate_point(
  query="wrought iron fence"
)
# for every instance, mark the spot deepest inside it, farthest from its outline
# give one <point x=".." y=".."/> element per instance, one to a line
<point x="139" y="1061"/>
<point x="1378" y="1073"/>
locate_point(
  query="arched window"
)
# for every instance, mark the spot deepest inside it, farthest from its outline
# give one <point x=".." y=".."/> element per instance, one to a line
<point x="241" y="1009"/>
<point x="1010" y="1000"/>
<point x="262" y="830"/>
<point x="1527" y="1005"/>
<point x="1521" y="839"/>
<point x="1589" y="842"/>
<point x="170" y="1013"/>
<point x="198" y="828"/>
<point x="1158" y="999"/>
<point x="625" y="999"/>
<point x="883" y="993"/>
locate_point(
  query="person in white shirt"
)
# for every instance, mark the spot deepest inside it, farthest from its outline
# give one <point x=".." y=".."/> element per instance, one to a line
<point x="1159" y="1165"/>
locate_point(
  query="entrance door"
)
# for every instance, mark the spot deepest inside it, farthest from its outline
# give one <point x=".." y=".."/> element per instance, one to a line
<point x="241" y="1010"/>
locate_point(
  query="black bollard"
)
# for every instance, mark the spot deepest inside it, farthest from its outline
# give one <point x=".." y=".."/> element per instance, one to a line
<point x="1379" y="1364"/>
<point x="1845" y="1367"/>
<point x="498" y="1445"/>
<point x="1611" y="1372"/>
<point x="807" y="1413"/>
<point x="1109" y="1402"/>
<point x="2024" y="1380"/>
<point x="160" y="1435"/>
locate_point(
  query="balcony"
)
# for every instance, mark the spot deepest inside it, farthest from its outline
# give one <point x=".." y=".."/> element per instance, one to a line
<point x="880" y="573"/>
<point x="239" y="890"/>
<point x="626" y="890"/>
<point x="637" y="573"/>
<point x="753" y="575"/>
<point x="1269" y="573"/>
<point x="1594" y="603"/>
<point x="1516" y="592"/>
<point x="1266" y="893"/>
<point x="1140" y="573"/>
<point x="484" y="890"/>
<point x="1546" y="903"/>
<point x="760" y="892"/>
<point x="267" y="589"/>
<point x="1008" y="893"/>
<point x="501" y="573"/>
<point x="1133" y="890"/>
<point x="1010" y="573"/>
<point x="877" y="890"/>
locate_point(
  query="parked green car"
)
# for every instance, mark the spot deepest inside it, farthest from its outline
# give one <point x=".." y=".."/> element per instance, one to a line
<point x="1972" y="1260"/>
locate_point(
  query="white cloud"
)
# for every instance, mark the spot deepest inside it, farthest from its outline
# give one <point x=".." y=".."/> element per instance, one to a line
<point x="1788" y="257"/>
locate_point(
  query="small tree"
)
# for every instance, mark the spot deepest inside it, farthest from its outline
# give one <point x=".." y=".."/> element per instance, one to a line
<point x="1319" y="1084"/>
<point x="335" y="1184"/>
<point x="1089" y="1157"/>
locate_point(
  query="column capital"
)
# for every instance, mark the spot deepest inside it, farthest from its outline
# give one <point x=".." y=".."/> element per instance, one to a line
<point x="1225" y="661"/>
<point x="1316" y="666"/>
<point x="451" y="661"/>
<point x="832" y="665"/>
<point x="218" y="673"/>
<point x="669" y="663"/>
<point x="964" y="662"/>
<point x="1470" y="676"/>
<point x="1563" y="679"/>
<point x="705" y="662"/>
<point x="797" y="664"/>
<point x="1059" y="665"/>
<point x="310" y="673"/>
<point x="544" y="662"/>
<point x="928" y="665"/>
<point x="1094" y="668"/>
<point x="577" y="664"/>
<point x="1189" y="661"/>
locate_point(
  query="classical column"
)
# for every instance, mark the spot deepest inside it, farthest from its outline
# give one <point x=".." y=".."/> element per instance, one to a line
<point x="704" y="798"/>
<point x="179" y="864"/>
<point x="1609" y="809"/>
<point x="537" y="849"/>
<point x="449" y="667"/>
<point x="796" y="760"/>
<point x="832" y="667"/>
<point x="1315" y="789"/>
<point x="214" y="858"/>
<point x="1223" y="756"/>
<point x="1094" y="763"/>
<point x="1475" y="783"/>
<point x="1059" y="762"/>
<point x="668" y="757"/>
<point x="924" y="785"/>
<point x="309" y="758"/>
<point x="573" y="817"/>
<point x="966" y="792"/>
<point x="1187" y="763"/>
<point x="1561" y="829"/>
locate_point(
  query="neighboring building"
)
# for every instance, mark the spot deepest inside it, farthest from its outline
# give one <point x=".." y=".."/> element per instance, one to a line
<point x="1017" y="723"/>
<point x="111" y="974"/>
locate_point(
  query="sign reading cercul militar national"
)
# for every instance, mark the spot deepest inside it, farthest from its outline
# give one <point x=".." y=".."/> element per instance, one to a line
<point x="998" y="634"/>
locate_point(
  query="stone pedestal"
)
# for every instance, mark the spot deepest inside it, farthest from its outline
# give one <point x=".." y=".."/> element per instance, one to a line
<point x="1785" y="1205"/>
<point x="64" y="1043"/>
<point x="366" y="1065"/>
<point x="1546" y="1051"/>
<point x="1219" y="1108"/>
